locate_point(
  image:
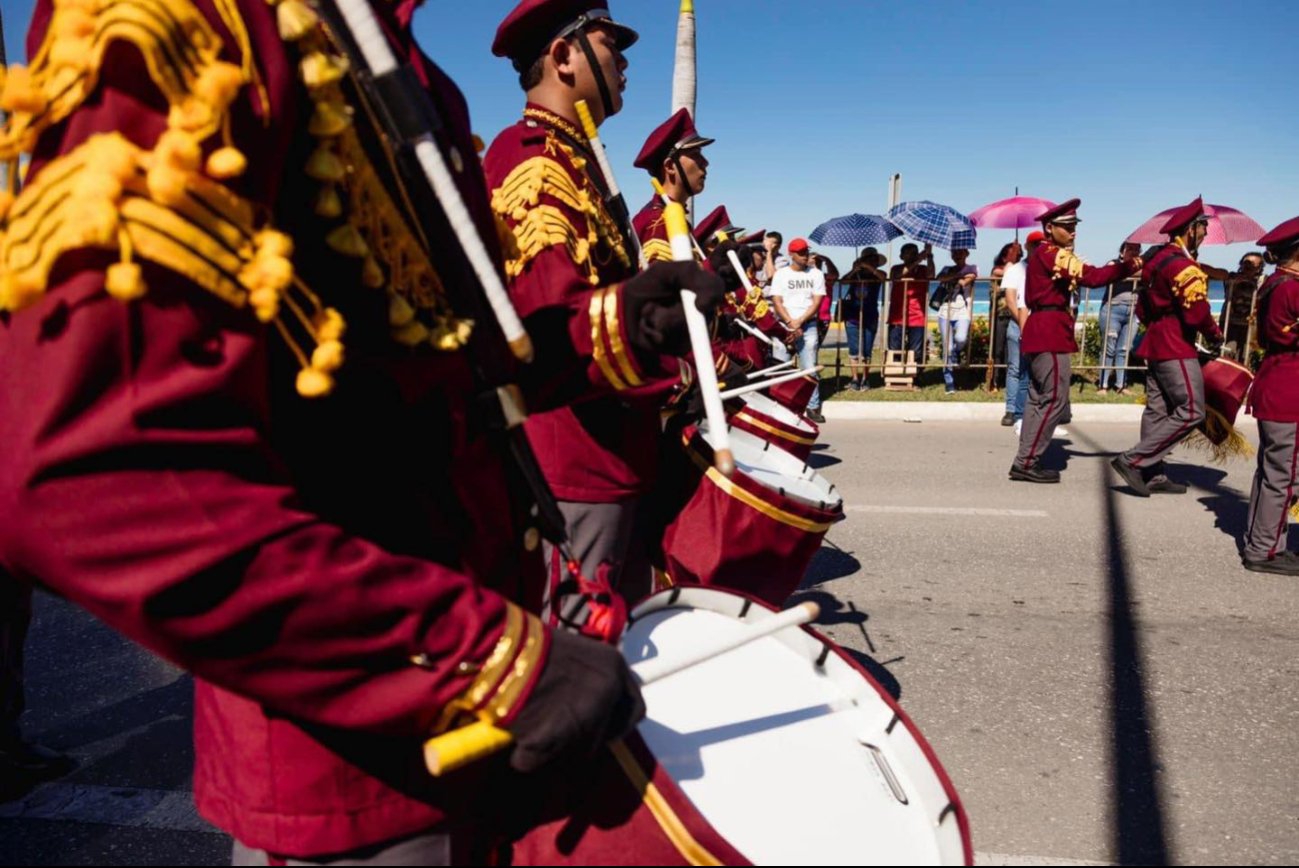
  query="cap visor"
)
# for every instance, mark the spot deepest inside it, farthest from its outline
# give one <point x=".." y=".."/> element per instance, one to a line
<point x="626" y="37"/>
<point x="693" y="142"/>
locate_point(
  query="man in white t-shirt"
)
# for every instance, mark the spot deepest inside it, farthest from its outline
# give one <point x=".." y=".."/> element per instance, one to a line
<point x="796" y="292"/>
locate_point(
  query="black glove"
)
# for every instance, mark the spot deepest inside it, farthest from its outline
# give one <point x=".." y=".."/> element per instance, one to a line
<point x="721" y="265"/>
<point x="656" y="323"/>
<point x="584" y="697"/>
<point x="732" y="379"/>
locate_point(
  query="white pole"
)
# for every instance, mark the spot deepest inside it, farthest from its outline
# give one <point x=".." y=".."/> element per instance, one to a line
<point x="684" y="81"/>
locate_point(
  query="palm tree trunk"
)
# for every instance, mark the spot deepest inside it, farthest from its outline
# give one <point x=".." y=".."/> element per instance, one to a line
<point x="683" y="72"/>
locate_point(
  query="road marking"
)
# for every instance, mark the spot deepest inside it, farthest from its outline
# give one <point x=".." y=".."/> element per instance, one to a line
<point x="1003" y="859"/>
<point x="172" y="810"/>
<point x="946" y="510"/>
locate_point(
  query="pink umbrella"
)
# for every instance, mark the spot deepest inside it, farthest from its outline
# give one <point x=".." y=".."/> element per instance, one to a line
<point x="1226" y="226"/>
<point x="1017" y="212"/>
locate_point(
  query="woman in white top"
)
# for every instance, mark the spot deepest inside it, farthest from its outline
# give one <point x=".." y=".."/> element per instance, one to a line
<point x="956" y="291"/>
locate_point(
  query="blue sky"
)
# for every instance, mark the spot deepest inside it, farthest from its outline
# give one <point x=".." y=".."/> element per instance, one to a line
<point x="1133" y="107"/>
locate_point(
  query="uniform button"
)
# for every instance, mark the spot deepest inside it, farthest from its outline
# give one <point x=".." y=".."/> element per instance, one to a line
<point x="457" y="162"/>
<point x="422" y="660"/>
<point x="531" y="539"/>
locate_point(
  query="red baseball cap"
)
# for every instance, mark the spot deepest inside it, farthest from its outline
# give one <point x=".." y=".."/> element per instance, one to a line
<point x="798" y="245"/>
<point x="1035" y="237"/>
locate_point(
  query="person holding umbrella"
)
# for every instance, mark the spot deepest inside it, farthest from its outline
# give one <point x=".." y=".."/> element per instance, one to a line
<point x="1174" y="307"/>
<point x="860" y="310"/>
<point x="1053" y="274"/>
<point x="1274" y="402"/>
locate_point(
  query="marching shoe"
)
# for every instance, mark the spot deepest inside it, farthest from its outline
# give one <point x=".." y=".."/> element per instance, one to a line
<point x="1163" y="485"/>
<point x="815" y="416"/>
<point x="1131" y="476"/>
<point x="1284" y="564"/>
<point x="1034" y="473"/>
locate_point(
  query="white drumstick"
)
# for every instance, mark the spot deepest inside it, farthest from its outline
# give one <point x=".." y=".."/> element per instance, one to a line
<point x="772" y="371"/>
<point x="750" y="329"/>
<point x="381" y="60"/>
<point x="606" y="170"/>
<point x="767" y="384"/>
<point x="674" y="218"/>
<point x="650" y="671"/>
<point x="667" y="200"/>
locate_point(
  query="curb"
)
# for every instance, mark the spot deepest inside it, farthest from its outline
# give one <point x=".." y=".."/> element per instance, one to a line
<point x="964" y="411"/>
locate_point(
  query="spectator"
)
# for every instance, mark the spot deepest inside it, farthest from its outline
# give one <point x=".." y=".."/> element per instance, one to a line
<point x="909" y="287"/>
<point x="956" y="292"/>
<point x="1012" y="294"/>
<point x="1116" y="323"/>
<point x="757" y="268"/>
<point x="860" y="312"/>
<point x="998" y="304"/>
<point x="775" y="259"/>
<point x="826" y="312"/>
<point x="796" y="293"/>
<point x="1236" y="317"/>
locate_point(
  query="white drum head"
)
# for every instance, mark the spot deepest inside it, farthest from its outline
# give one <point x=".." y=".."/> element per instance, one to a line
<point x="774" y="409"/>
<point x="774" y="468"/>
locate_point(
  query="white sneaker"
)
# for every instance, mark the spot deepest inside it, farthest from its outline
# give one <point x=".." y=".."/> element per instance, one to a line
<point x="1060" y="431"/>
<point x="1019" y="424"/>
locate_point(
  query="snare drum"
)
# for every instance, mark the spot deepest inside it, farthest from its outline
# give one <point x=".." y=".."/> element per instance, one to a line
<point x="780" y="752"/>
<point x="770" y="420"/>
<point x="755" y="532"/>
<point x="795" y="394"/>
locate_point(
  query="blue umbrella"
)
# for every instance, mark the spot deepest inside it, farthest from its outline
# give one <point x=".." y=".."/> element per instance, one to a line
<point x="934" y="224"/>
<point x="855" y="230"/>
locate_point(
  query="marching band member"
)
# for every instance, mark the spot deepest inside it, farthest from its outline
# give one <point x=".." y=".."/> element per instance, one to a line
<point x="1274" y="402"/>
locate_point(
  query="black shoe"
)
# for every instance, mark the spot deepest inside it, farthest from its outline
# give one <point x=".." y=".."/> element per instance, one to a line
<point x="815" y="416"/>
<point x="1163" y="485"/>
<point x="1284" y="564"/>
<point x="1033" y="473"/>
<point x="1131" y="476"/>
<point x="1008" y="420"/>
<point x="34" y="761"/>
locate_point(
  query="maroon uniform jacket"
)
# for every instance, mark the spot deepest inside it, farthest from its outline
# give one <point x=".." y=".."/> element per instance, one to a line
<point x="320" y="563"/>
<point x="653" y="232"/>
<point x="569" y="261"/>
<point x="1274" y="397"/>
<point x="1053" y="275"/>
<point x="1174" y="306"/>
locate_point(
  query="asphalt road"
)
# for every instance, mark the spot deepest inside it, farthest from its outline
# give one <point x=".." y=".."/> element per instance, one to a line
<point x="1101" y="679"/>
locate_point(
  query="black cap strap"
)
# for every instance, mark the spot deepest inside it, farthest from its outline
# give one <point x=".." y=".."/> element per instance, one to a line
<point x="598" y="71"/>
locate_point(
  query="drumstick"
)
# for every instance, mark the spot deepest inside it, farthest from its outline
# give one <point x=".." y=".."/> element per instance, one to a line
<point x="750" y="329"/>
<point x="478" y="740"/>
<point x="674" y="217"/>
<point x="619" y="205"/>
<point x="767" y="384"/>
<point x="772" y="371"/>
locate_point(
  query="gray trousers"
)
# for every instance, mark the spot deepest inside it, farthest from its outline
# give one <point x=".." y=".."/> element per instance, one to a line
<point x="616" y="533"/>
<point x="1174" y="409"/>
<point x="430" y="848"/>
<point x="1047" y="406"/>
<point x="1273" y="492"/>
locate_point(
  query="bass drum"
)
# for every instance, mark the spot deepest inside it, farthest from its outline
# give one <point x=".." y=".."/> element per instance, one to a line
<point x="780" y="752"/>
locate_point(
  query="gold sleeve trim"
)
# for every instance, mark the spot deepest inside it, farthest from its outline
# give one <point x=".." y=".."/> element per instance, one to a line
<point x="598" y="351"/>
<point x="498" y="683"/>
<point x="613" y="327"/>
<point x="1067" y="265"/>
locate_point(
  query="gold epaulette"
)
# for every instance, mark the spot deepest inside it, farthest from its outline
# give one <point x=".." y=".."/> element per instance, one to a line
<point x="1066" y="265"/>
<point x="539" y="225"/>
<point x="1192" y="285"/>
<point x="164" y="204"/>
<point x="657" y="250"/>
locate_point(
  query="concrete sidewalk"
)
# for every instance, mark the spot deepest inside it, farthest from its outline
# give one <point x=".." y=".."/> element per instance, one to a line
<point x="964" y="411"/>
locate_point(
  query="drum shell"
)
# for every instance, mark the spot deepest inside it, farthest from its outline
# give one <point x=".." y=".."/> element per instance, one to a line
<point x="1226" y="384"/>
<point x="777" y="432"/>
<point x="737" y="533"/>
<point x="795" y="394"/>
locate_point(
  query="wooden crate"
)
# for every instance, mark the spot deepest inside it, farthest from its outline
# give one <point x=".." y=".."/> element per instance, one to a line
<point x="899" y="370"/>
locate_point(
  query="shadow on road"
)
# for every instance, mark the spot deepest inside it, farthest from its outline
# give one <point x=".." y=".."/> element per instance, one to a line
<point x="835" y="611"/>
<point x="829" y="563"/>
<point x="1137" y="813"/>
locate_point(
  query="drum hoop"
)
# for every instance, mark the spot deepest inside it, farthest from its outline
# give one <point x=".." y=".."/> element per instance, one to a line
<point x="772" y="429"/>
<point x="1234" y="364"/>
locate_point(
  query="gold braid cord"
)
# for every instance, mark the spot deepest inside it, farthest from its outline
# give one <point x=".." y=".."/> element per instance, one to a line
<point x="1192" y="285"/>
<point x="166" y="204"/>
<point x="1067" y="265"/>
<point x="539" y="225"/>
